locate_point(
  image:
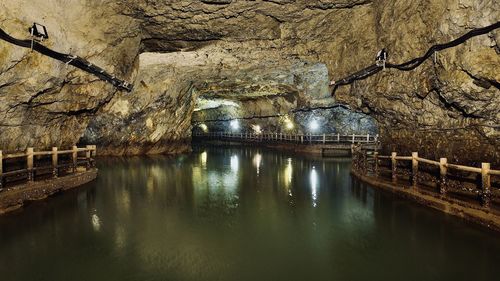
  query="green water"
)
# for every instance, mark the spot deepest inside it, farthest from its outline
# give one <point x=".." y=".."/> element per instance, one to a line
<point x="238" y="214"/>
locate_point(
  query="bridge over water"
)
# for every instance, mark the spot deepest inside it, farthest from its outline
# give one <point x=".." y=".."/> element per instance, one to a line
<point x="323" y="144"/>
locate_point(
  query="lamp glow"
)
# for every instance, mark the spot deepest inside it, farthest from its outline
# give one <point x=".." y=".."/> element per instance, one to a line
<point x="257" y="129"/>
<point x="204" y="128"/>
<point x="235" y="125"/>
<point x="288" y="124"/>
<point x="314" y="125"/>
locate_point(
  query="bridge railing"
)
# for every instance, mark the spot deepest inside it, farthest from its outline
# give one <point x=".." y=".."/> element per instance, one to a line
<point x="291" y="138"/>
<point x="31" y="165"/>
<point x="460" y="182"/>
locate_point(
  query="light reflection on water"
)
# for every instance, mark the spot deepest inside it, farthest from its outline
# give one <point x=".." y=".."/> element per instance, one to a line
<point x="314" y="186"/>
<point x="238" y="214"/>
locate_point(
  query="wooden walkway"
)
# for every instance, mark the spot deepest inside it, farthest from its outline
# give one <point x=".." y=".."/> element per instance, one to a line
<point x="29" y="166"/>
<point x="456" y="189"/>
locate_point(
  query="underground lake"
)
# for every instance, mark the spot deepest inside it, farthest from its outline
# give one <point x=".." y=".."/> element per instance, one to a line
<point x="238" y="214"/>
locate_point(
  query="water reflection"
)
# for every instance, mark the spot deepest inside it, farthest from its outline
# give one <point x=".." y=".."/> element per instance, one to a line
<point x="203" y="159"/>
<point x="96" y="222"/>
<point x="313" y="181"/>
<point x="257" y="159"/>
<point x="226" y="214"/>
<point x="234" y="163"/>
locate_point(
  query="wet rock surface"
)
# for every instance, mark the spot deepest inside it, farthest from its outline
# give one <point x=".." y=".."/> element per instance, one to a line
<point x="289" y="48"/>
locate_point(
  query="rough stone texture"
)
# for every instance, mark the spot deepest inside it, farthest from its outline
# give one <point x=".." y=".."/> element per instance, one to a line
<point x="47" y="103"/>
<point x="44" y="102"/>
<point x="152" y="119"/>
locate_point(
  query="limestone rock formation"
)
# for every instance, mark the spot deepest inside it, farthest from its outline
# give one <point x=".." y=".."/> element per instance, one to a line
<point x="234" y="49"/>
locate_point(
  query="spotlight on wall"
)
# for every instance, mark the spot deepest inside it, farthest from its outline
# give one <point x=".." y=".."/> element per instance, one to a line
<point x="314" y="125"/>
<point x="288" y="124"/>
<point x="257" y="129"/>
<point x="204" y="127"/>
<point x="235" y="125"/>
<point x="39" y="31"/>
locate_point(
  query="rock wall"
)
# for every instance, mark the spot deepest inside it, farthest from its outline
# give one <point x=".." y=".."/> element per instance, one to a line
<point x="449" y="101"/>
<point x="44" y="102"/>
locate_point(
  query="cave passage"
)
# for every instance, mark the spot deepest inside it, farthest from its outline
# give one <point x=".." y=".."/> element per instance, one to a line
<point x="238" y="214"/>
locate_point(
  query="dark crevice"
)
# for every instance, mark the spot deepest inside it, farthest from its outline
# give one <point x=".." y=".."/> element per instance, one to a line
<point x="452" y="105"/>
<point x="338" y="6"/>
<point x="482" y="82"/>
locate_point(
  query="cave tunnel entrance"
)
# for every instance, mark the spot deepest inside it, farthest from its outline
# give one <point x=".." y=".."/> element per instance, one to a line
<point x="210" y="90"/>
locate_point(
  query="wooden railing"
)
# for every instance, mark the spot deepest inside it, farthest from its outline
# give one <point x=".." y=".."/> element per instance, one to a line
<point x="18" y="168"/>
<point x="442" y="177"/>
<point x="291" y="138"/>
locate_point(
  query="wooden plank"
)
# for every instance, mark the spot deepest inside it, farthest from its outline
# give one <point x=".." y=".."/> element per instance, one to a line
<point x="464" y="168"/>
<point x="29" y="163"/>
<point x="442" y="175"/>
<point x="16" y="172"/>
<point x="74" y="157"/>
<point x="414" y="169"/>
<point x="42" y="153"/>
<point x="423" y="160"/>
<point x="485" y="184"/>
<point x="55" y="162"/>
<point x="1" y="169"/>
<point x="404" y="158"/>
<point x="16" y="155"/>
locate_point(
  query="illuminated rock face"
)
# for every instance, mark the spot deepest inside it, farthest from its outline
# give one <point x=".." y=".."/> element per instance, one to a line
<point x="285" y="49"/>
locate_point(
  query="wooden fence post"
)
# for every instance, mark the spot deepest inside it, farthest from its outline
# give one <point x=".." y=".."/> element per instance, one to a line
<point x="414" y="169"/>
<point x="442" y="175"/>
<point x="365" y="160"/>
<point x="55" y="162"/>
<point x="88" y="155"/>
<point x="301" y="138"/>
<point x="1" y="170"/>
<point x="324" y="138"/>
<point x="29" y="162"/>
<point x="485" y="185"/>
<point x="368" y="138"/>
<point x="74" y="157"/>
<point x="375" y="156"/>
<point x="93" y="155"/>
<point x="353" y="138"/>
<point x="393" y="166"/>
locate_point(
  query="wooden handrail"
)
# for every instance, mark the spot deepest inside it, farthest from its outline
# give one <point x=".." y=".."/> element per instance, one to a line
<point x="44" y="153"/>
<point x="465" y="168"/>
<point x="298" y="138"/>
<point x="495" y="172"/>
<point x="427" y="161"/>
<point x="485" y="171"/>
<point x="436" y="163"/>
<point x="30" y="169"/>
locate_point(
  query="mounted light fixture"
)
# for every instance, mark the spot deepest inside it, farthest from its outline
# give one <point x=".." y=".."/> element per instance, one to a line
<point x="39" y="31"/>
<point x="204" y="128"/>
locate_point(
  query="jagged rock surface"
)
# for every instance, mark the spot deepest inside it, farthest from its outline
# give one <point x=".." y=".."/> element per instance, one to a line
<point x="435" y="109"/>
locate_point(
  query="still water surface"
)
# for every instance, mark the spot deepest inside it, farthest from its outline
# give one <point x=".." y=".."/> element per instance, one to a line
<point x="238" y="214"/>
